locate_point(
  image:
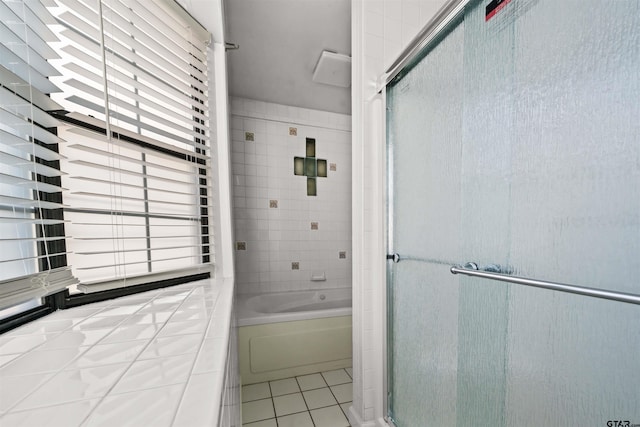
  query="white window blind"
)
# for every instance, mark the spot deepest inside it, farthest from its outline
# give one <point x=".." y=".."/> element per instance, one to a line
<point x="135" y="211"/>
<point x="32" y="250"/>
<point x="154" y="58"/>
<point x="134" y="84"/>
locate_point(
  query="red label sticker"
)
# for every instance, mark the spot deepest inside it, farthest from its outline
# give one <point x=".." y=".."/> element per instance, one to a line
<point x="494" y="7"/>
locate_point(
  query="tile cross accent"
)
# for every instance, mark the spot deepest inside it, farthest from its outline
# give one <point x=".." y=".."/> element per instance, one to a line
<point x="310" y="167"/>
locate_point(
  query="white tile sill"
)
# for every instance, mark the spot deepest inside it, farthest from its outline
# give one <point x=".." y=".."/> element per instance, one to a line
<point x="97" y="359"/>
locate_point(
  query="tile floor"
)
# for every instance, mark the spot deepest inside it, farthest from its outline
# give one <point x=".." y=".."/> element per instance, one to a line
<point x="143" y="359"/>
<point x="315" y="400"/>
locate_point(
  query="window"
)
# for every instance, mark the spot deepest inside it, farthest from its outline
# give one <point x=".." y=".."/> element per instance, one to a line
<point x="133" y="76"/>
<point x="103" y="145"/>
<point x="32" y="250"/>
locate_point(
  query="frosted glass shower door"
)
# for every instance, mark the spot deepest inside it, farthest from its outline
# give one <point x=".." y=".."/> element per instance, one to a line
<point x="514" y="143"/>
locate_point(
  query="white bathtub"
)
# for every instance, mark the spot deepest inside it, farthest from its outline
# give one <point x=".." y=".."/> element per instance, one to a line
<point x="289" y="306"/>
<point x="287" y="334"/>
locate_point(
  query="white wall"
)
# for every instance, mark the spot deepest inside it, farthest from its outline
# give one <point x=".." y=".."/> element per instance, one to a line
<point x="380" y="30"/>
<point x="263" y="172"/>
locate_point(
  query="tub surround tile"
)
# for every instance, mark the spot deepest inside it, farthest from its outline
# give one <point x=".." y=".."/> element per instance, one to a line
<point x="74" y="338"/>
<point x="42" y="328"/>
<point x="302" y="419"/>
<point x="117" y="311"/>
<point x="131" y="333"/>
<point x="14" y="389"/>
<point x="286" y="386"/>
<point x="74" y="414"/>
<point x="69" y="386"/>
<point x="153" y="407"/>
<point x="110" y="322"/>
<point x="196" y="408"/>
<point x="289" y="404"/>
<point x="182" y="328"/>
<point x="329" y="417"/>
<point x="255" y="392"/>
<point x="85" y="365"/>
<point x="6" y="358"/>
<point x="335" y="377"/>
<point x="41" y="361"/>
<point x="21" y="343"/>
<point x="107" y="354"/>
<point x="159" y="318"/>
<point x="274" y="170"/>
<point x="172" y="346"/>
<point x="319" y="398"/>
<point x="257" y="410"/>
<point x="145" y="374"/>
<point x="310" y="382"/>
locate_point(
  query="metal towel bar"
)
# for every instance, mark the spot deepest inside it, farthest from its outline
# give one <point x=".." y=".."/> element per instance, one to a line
<point x="580" y="290"/>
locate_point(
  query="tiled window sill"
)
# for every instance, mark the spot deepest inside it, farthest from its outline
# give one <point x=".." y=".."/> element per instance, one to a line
<point x="155" y="358"/>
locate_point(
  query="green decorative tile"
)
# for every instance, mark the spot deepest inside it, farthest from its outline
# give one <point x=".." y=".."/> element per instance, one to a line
<point x="311" y="187"/>
<point x="298" y="165"/>
<point x="310" y="167"/>
<point x="311" y="147"/>
<point x="322" y="168"/>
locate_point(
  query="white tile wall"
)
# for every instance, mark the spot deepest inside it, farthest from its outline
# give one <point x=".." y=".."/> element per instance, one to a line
<point x="263" y="171"/>
<point x="381" y="29"/>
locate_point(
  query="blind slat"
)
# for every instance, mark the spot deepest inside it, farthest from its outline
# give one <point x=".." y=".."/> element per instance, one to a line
<point x="139" y="262"/>
<point x="117" y="142"/>
<point x="120" y="197"/>
<point x="28" y="183"/>
<point x="27" y="52"/>
<point x="18" y="106"/>
<point x="118" y="80"/>
<point x="30" y="19"/>
<point x="125" y="172"/>
<point x="176" y="62"/>
<point x="17" y="65"/>
<point x="22" y="88"/>
<point x="190" y="172"/>
<point x="148" y="12"/>
<point x="22" y="202"/>
<point x="125" y="251"/>
<point x="130" y="120"/>
<point x="26" y="165"/>
<point x="25" y="129"/>
<point x="26" y="147"/>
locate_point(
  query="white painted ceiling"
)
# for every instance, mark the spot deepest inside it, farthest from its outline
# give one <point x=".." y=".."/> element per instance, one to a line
<point x="280" y="43"/>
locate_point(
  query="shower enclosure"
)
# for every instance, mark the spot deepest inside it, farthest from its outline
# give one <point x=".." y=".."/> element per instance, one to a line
<point x="514" y="152"/>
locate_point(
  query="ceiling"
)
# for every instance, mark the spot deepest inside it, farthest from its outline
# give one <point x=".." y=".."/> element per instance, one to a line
<point x="280" y="43"/>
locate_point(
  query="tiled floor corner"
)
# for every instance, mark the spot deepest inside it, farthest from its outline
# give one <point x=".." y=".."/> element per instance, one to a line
<point x="316" y="400"/>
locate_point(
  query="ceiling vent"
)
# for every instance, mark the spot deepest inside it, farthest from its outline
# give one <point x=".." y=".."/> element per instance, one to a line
<point x="333" y="69"/>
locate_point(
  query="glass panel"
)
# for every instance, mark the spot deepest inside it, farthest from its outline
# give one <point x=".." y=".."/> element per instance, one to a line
<point x="575" y="213"/>
<point x="424" y="129"/>
<point x="514" y="142"/>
